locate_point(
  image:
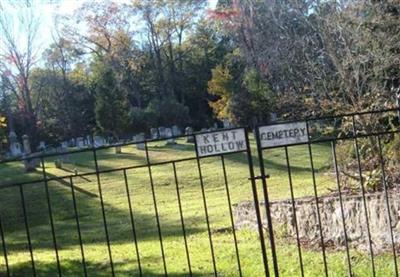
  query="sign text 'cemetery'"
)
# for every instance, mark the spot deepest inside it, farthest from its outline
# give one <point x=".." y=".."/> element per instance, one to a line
<point x="283" y="134"/>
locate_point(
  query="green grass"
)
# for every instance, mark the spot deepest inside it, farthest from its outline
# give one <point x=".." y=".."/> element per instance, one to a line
<point x="118" y="217"/>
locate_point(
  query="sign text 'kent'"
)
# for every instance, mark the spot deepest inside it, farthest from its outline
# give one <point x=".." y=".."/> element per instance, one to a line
<point x="220" y="142"/>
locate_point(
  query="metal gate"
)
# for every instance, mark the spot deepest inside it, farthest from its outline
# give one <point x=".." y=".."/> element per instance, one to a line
<point x="166" y="207"/>
<point x="377" y="127"/>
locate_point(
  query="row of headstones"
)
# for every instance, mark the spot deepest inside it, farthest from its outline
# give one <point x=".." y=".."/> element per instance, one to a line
<point x="84" y="142"/>
<point x="98" y="141"/>
<point x="162" y="132"/>
<point x="155" y="133"/>
<point x="16" y="149"/>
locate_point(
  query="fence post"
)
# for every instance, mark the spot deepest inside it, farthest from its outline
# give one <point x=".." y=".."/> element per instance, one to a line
<point x="267" y="204"/>
<point x="256" y="204"/>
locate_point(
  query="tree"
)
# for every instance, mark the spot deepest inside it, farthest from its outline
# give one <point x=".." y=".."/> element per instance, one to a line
<point x="257" y="102"/>
<point x="111" y="103"/>
<point x="166" y="25"/>
<point x="328" y="55"/>
<point x="93" y="28"/>
<point x="222" y="87"/>
<point x="18" y="56"/>
<point x="64" y="104"/>
<point x="243" y="97"/>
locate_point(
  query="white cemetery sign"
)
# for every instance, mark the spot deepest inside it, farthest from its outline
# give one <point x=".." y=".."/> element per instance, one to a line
<point x="220" y="142"/>
<point x="283" y="134"/>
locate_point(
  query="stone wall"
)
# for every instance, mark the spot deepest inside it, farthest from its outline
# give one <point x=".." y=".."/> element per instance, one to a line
<point x="331" y="219"/>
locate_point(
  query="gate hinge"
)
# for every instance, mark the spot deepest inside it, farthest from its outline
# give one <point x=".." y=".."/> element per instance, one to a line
<point x="260" y="177"/>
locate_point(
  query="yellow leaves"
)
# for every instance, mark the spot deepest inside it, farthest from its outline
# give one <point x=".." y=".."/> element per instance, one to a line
<point x="221" y="82"/>
<point x="220" y="85"/>
<point x="220" y="107"/>
<point x="3" y="122"/>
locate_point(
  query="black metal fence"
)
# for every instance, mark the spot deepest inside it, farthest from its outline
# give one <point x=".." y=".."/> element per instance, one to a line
<point x="33" y="202"/>
<point x="374" y="126"/>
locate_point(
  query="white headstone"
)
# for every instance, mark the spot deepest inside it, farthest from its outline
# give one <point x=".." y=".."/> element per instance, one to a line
<point x="80" y="143"/>
<point x="273" y="117"/>
<point x="15" y="149"/>
<point x="89" y="140"/>
<point x="15" y="146"/>
<point x="27" y="145"/>
<point x="227" y="124"/>
<point x="64" y="144"/>
<point x="169" y="135"/>
<point x="99" y="141"/>
<point x="42" y="145"/>
<point x="162" y="132"/>
<point x="189" y="133"/>
<point x="154" y="133"/>
<point x="30" y="164"/>
<point x="72" y="142"/>
<point x="139" y="139"/>
<point x="176" y="131"/>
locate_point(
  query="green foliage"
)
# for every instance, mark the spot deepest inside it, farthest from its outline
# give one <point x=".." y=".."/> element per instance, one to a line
<point x="167" y="112"/>
<point x="243" y="98"/>
<point x="139" y="119"/>
<point x="64" y="104"/>
<point x="261" y="97"/>
<point x="111" y="103"/>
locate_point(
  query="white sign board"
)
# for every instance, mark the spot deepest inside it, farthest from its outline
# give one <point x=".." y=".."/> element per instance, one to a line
<point x="283" y="134"/>
<point x="220" y="142"/>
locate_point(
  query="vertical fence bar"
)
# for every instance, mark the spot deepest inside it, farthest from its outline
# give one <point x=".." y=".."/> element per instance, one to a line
<point x="155" y="208"/>
<point x="78" y="225"/>
<point x="203" y="193"/>
<point x="363" y="194"/>
<point x="53" y="232"/>
<point x="267" y="204"/>
<point x="341" y="208"/>
<point x="3" y="242"/>
<point x="382" y="162"/>
<point x="103" y="211"/>
<point x="28" y="235"/>
<point x="228" y="195"/>
<point x="256" y="205"/>
<point x="294" y="211"/>
<point x="316" y="202"/>
<point x="132" y="223"/>
<point x="182" y="219"/>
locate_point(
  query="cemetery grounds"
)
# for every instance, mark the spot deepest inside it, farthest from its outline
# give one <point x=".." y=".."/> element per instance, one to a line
<point x="118" y="217"/>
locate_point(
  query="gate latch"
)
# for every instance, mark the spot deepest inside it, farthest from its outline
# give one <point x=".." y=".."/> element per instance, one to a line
<point x="260" y="177"/>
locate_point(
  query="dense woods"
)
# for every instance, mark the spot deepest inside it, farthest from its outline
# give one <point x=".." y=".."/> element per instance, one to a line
<point x="118" y="69"/>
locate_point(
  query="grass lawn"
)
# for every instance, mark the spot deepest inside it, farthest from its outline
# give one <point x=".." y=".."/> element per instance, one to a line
<point x="118" y="216"/>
